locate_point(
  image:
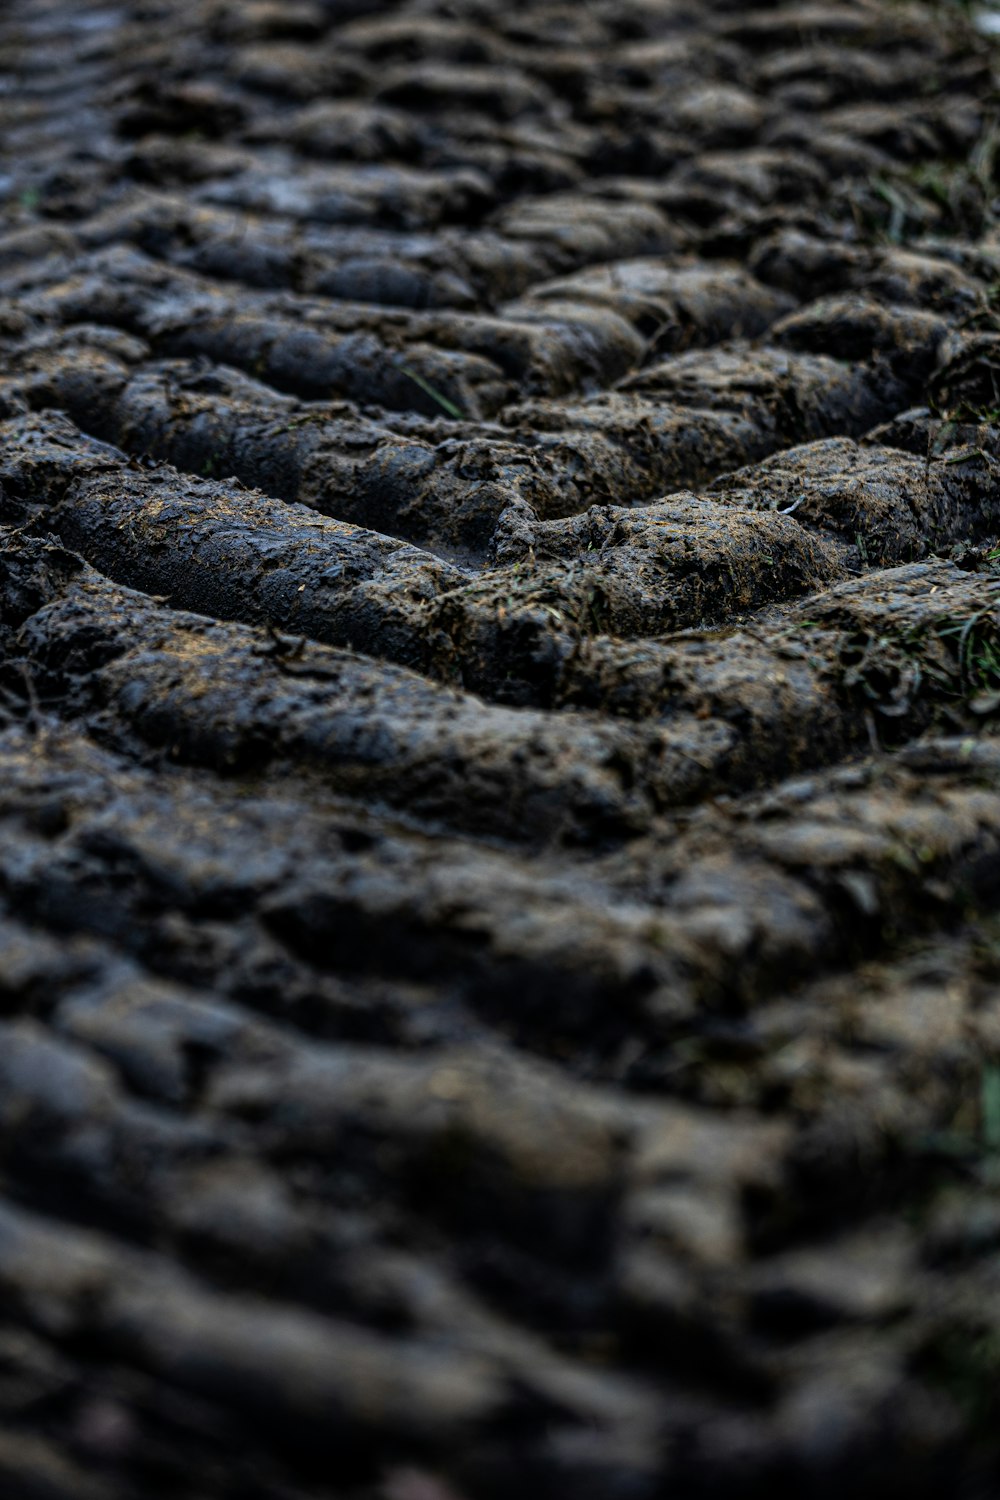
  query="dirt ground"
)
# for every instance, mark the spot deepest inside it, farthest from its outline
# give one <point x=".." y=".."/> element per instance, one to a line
<point x="499" y="751"/>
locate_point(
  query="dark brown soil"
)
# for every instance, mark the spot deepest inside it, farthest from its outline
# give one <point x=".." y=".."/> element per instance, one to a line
<point x="499" y="751"/>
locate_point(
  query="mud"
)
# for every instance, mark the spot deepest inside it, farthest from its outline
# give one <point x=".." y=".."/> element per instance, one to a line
<point x="500" y="745"/>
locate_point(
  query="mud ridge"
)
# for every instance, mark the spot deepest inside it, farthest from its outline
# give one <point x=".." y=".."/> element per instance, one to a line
<point x="500" y="797"/>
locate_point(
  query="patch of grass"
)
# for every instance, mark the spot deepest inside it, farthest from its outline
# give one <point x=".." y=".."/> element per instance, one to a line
<point x="977" y="648"/>
<point x="952" y="664"/>
<point x="975" y="1137"/>
<point x="907" y="209"/>
<point x="445" y="403"/>
<point x="951" y="195"/>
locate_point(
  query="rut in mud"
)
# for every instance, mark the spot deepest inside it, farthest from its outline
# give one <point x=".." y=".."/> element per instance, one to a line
<point x="500" y="796"/>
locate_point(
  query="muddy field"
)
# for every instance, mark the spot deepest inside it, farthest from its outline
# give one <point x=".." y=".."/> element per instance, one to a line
<point x="499" y="751"/>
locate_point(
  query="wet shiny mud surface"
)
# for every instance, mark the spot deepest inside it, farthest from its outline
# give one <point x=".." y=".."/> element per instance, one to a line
<point x="499" y="767"/>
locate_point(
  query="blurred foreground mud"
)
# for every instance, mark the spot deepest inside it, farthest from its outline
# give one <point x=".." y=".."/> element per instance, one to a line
<point x="499" y="751"/>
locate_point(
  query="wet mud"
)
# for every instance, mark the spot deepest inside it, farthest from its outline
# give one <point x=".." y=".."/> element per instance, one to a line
<point x="499" y="751"/>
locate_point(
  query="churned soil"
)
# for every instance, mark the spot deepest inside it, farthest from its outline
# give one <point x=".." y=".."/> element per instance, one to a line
<point x="499" y="751"/>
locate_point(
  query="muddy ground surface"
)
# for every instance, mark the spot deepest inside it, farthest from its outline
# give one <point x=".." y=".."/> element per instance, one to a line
<point x="499" y="751"/>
